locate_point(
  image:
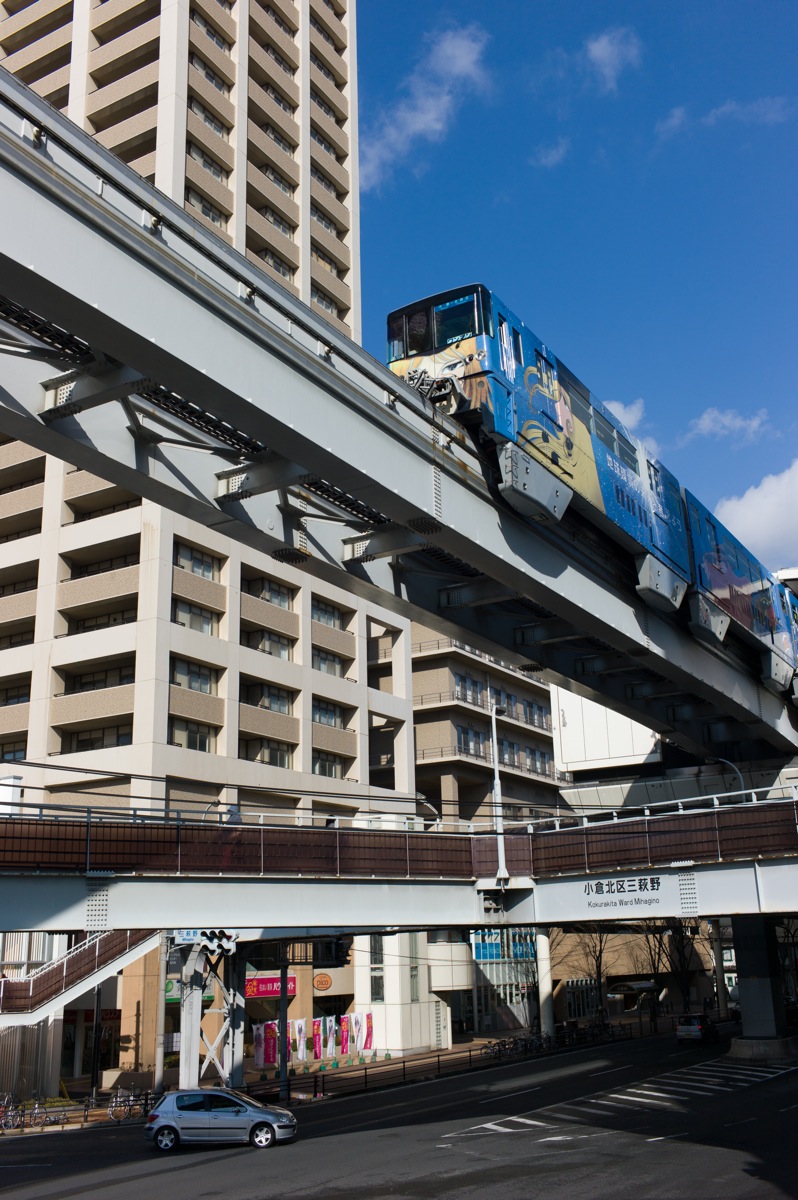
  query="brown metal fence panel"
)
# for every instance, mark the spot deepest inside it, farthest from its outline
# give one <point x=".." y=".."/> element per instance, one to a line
<point x="767" y="829"/>
<point x="518" y="853"/>
<point x="617" y="845"/>
<point x="366" y="853"/>
<point x="484" y="856"/>
<point x="123" y="846"/>
<point x="558" y="850"/>
<point x="672" y="839"/>
<point x="433" y="856"/>
<point x="28" y="843"/>
<point x="285" y="852"/>
<point x="220" y="849"/>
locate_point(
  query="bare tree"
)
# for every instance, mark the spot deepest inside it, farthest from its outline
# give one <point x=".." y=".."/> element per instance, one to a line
<point x="681" y="955"/>
<point x="649" y="956"/>
<point x="596" y="952"/>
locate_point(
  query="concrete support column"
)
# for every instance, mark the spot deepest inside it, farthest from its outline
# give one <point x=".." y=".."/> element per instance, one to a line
<point x="450" y="800"/>
<point x="759" y="977"/>
<point x="545" y="991"/>
<point x="720" y="979"/>
<point x="236" y="979"/>
<point x="190" y="1018"/>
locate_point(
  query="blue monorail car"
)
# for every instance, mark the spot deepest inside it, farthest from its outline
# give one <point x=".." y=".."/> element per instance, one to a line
<point x="557" y="446"/>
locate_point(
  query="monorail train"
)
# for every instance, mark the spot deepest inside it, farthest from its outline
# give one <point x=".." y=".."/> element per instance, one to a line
<point x="554" y="445"/>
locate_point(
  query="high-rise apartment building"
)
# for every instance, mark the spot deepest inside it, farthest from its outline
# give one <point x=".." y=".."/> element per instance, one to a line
<point x="242" y="110"/>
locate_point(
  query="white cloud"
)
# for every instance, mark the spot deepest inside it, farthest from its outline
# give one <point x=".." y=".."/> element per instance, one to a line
<point x="675" y="121"/>
<point x="451" y="68"/>
<point x="763" y="518"/>
<point x="551" y="156"/>
<point x="629" y="415"/>
<point x="728" y="423"/>
<point x="611" y="52"/>
<point x="769" y="110"/>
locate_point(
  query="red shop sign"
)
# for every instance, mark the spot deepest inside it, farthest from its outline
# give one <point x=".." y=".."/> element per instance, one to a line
<point x="268" y="986"/>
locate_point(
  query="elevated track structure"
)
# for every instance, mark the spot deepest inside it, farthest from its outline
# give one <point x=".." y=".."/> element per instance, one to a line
<point x="137" y="345"/>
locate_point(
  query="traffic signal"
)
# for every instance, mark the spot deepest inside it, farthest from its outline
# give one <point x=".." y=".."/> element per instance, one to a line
<point x="218" y="941"/>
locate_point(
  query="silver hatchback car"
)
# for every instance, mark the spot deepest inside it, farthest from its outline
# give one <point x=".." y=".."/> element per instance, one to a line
<point x="216" y="1115"/>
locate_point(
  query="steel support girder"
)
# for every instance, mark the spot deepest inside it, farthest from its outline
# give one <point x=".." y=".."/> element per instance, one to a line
<point x="75" y="248"/>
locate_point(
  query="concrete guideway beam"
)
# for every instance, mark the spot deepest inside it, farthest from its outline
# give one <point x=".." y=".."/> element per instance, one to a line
<point x="170" y="304"/>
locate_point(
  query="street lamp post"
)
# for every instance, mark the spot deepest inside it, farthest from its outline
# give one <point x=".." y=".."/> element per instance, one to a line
<point x="498" y="814"/>
<point x="731" y="766"/>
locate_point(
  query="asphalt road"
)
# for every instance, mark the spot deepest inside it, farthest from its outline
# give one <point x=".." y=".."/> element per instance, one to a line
<point x="648" y="1120"/>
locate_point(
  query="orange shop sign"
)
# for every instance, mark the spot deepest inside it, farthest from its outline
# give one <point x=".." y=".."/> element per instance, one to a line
<point x="322" y="982"/>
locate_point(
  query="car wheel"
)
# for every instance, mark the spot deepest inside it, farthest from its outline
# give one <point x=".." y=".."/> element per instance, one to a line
<point x="263" y="1136"/>
<point x="166" y="1138"/>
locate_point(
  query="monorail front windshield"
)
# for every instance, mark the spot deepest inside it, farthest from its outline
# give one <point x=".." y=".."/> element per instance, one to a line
<point x="441" y="321"/>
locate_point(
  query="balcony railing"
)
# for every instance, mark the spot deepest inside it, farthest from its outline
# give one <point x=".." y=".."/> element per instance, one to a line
<point x="459" y="696"/>
<point x="430" y="647"/>
<point x="507" y="762"/>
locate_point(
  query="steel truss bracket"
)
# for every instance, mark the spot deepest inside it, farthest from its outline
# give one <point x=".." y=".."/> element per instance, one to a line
<point x="387" y="541"/>
<point x="80" y="390"/>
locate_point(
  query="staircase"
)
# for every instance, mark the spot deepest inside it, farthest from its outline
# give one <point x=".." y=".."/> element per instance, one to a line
<point x="54" y="985"/>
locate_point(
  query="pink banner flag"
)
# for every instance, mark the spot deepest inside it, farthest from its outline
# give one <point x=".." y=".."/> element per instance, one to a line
<point x="344" y="1034"/>
<point x="257" y="1032"/>
<point x="329" y="1036"/>
<point x="288" y="1053"/>
<point x="300" y="1030"/>
<point x="368" y="1040"/>
<point x="356" y="1021"/>
<point x="317" y="1051"/>
<point x="270" y="1044"/>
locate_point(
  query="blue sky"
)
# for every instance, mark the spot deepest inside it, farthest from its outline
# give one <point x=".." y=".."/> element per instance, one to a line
<point x="625" y="176"/>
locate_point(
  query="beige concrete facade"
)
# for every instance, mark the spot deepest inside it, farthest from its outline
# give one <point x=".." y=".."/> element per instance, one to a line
<point x="244" y="111"/>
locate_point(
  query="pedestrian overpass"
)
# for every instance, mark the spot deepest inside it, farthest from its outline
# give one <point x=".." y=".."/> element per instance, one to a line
<point x="137" y="345"/>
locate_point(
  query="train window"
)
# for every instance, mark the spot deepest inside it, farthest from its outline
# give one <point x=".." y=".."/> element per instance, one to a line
<point x="604" y="431"/>
<point x="487" y="313"/>
<point x="396" y="337"/>
<point x="508" y="366"/>
<point x="419" y="333"/>
<point x="455" y="320"/>
<point x="579" y="408"/>
<point x="518" y="349"/>
<point x="627" y="453"/>
<point x="655" y="483"/>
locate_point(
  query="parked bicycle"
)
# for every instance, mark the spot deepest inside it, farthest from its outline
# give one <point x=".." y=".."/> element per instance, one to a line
<point x="41" y="1114"/>
<point x="13" y="1113"/>
<point x="125" y="1104"/>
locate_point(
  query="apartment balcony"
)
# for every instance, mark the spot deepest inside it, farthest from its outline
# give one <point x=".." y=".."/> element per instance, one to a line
<point x="117" y="59"/>
<point x="337" y="641"/>
<point x="14" y="718"/>
<point x="92" y="592"/>
<point x="132" y="136"/>
<point x="212" y="99"/>
<point x="13" y="454"/>
<point x="78" y="708"/>
<point x="263" y="615"/>
<point x="123" y="99"/>
<point x="329" y="56"/>
<point x="338" y="174"/>
<point x="263" y="149"/>
<point x="331" y="285"/>
<point x="262" y="722"/>
<point x="332" y="245"/>
<point x="207" y="593"/>
<point x="112" y="19"/>
<point x="260" y="59"/>
<point x="334" y="741"/>
<point x="337" y="212"/>
<point x="21" y="606"/>
<point x="516" y="714"/>
<point x="331" y="22"/>
<point x="436" y="646"/>
<point x="32" y="22"/>
<point x="219" y="60"/>
<point x="206" y="137"/>
<point x="261" y="234"/>
<point x="216" y="16"/>
<point x="22" y="499"/>
<point x="31" y="62"/>
<point x="514" y="765"/>
<point x="196" y="706"/>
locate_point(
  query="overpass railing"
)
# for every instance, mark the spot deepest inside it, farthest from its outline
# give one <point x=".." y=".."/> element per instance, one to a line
<point x="55" y="978"/>
<point x="45" y="839"/>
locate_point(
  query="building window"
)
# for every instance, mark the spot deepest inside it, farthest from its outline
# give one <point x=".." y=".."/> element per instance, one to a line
<point x="324" y="661"/>
<point x="324" y="260"/>
<point x="196" y="677"/>
<point x="210" y="119"/>
<point x="278" y="180"/>
<point x="321" y="217"/>
<point x="215" y="215"/>
<point x="277" y="264"/>
<point x="265" y="695"/>
<point x="278" y="222"/>
<point x="215" y="80"/>
<point x="207" y="163"/>
<point x="263" y="750"/>
<point x="324" y="182"/>
<point x="268" y="642"/>
<point x="20" y="585"/>
<point x="13" y="751"/>
<point x="324" y="106"/>
<point x="189" y="558"/>
<point x="324" y="69"/>
<point x="96" y="739"/>
<point x="327" y="713"/>
<point x="468" y="689"/>
<point x="91" y="681"/>
<point x="19" y="694"/>
<point x="321" y="140"/>
<point x="324" y="301"/>
<point x="209" y="31"/>
<point x="278" y="58"/>
<point x="279" y="22"/>
<point x="270" y="590"/>
<point x="322" y="32"/>
<point x="102" y="621"/>
<point x="377" y="962"/>
<point x="279" y="140"/>
<point x="103" y="565"/>
<point x="413" y="955"/>
<point x="470" y="741"/>
<point x="329" y="765"/>
<point x="192" y="736"/>
<point x="279" y="99"/>
<point x="326" y="614"/>
<point x="201" y="620"/>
